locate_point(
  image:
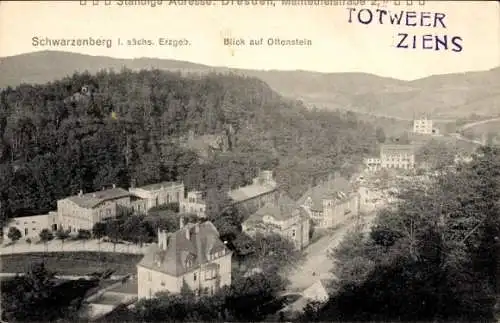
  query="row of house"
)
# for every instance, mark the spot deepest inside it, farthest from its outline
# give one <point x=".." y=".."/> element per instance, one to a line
<point x="84" y="210"/>
<point x="194" y="256"/>
<point x="398" y="156"/>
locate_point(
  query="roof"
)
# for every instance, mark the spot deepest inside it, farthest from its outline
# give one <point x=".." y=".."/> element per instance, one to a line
<point x="159" y="186"/>
<point x="91" y="200"/>
<point x="172" y="261"/>
<point x="396" y="149"/>
<point x="285" y="208"/>
<point x="336" y="189"/>
<point x="250" y="191"/>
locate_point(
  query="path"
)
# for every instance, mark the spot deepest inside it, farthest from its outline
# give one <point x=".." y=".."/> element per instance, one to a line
<point x="476" y="123"/>
<point x="317" y="260"/>
<point x="66" y="277"/>
<point x="70" y="245"/>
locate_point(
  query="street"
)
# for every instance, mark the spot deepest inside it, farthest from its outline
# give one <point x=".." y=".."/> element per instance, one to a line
<point x="317" y="260"/>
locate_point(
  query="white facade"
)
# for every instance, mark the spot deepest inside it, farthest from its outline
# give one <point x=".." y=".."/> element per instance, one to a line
<point x="151" y="281"/>
<point x="160" y="193"/>
<point x="397" y="156"/>
<point x="194" y="203"/>
<point x="423" y="126"/>
<point x="373" y="164"/>
<point x="194" y="255"/>
<point x="31" y="226"/>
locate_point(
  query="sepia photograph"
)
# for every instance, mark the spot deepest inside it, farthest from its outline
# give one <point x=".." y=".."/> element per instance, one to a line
<point x="249" y="161"/>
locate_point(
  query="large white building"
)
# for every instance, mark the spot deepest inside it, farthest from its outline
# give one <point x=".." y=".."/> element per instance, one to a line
<point x="31" y="226"/>
<point x="422" y="126"/>
<point x="194" y="203"/>
<point x="160" y="193"/>
<point x="82" y="211"/>
<point x="397" y="156"/>
<point x="193" y="255"/>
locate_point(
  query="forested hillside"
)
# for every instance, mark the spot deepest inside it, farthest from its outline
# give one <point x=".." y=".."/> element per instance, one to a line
<point x="91" y="131"/>
<point x="441" y="96"/>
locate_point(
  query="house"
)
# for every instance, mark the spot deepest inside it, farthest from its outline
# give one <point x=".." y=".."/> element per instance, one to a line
<point x="332" y="202"/>
<point x="82" y="211"/>
<point x="194" y="203"/>
<point x="397" y="156"/>
<point x="283" y="217"/>
<point x="31" y="226"/>
<point x="159" y="193"/>
<point x="254" y="196"/>
<point x="193" y="255"/>
<point x="423" y="126"/>
<point x="317" y="293"/>
<point x="373" y="163"/>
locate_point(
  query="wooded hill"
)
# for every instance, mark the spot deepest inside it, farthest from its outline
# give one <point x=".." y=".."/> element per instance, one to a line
<point x="91" y="131"/>
<point x="449" y="96"/>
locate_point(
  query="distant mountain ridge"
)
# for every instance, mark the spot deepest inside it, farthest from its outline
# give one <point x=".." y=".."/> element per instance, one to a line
<point x="441" y="96"/>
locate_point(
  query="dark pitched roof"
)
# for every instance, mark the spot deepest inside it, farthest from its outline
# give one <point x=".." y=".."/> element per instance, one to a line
<point x="259" y="187"/>
<point x="284" y="208"/>
<point x="91" y="200"/>
<point x="158" y="186"/>
<point x="396" y="149"/>
<point x="180" y="249"/>
<point x="338" y="189"/>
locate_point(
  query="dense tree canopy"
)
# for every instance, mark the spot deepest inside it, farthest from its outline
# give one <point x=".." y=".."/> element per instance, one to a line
<point x="91" y="131"/>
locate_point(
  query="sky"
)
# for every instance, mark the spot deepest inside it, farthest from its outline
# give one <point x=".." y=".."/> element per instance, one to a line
<point x="337" y="45"/>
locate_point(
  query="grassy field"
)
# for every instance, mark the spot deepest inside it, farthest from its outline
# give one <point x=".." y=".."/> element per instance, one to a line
<point x="72" y="263"/>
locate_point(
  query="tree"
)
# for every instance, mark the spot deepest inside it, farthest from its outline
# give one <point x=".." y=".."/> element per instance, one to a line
<point x="114" y="231"/>
<point x="439" y="233"/>
<point x="14" y="234"/>
<point x="39" y="296"/>
<point x="46" y="236"/>
<point x="84" y="235"/>
<point x="380" y="134"/>
<point x="99" y="231"/>
<point x="62" y="235"/>
<point x="273" y="252"/>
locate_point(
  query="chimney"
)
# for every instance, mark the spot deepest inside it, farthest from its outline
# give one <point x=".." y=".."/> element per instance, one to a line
<point x="80" y="193"/>
<point x="187" y="233"/>
<point x="181" y="222"/>
<point x="93" y="195"/>
<point x="114" y="185"/>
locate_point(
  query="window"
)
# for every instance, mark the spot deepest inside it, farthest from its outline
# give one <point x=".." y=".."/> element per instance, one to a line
<point x="195" y="276"/>
<point x="177" y="196"/>
<point x="25" y="231"/>
<point x="293" y="233"/>
<point x="150" y="293"/>
<point x="210" y="274"/>
<point x="149" y="277"/>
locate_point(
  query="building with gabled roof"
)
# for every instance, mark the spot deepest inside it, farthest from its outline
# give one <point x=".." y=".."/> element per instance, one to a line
<point x="262" y="190"/>
<point x="82" y="211"/>
<point x="330" y="203"/>
<point x="160" y="193"/>
<point x="397" y="156"/>
<point x="283" y="217"/>
<point x="193" y="255"/>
